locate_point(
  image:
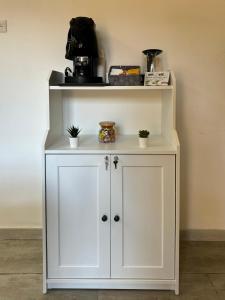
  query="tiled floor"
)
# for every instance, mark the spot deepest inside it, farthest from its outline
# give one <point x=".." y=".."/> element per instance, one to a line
<point x="202" y="275"/>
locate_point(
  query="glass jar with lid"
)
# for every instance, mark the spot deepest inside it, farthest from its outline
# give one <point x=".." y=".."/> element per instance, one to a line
<point x="107" y="132"/>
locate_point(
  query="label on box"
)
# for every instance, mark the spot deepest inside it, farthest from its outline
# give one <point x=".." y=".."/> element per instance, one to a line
<point x="157" y="78"/>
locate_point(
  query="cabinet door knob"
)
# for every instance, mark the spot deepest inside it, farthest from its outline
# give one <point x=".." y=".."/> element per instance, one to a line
<point x="116" y="218"/>
<point x="104" y="218"/>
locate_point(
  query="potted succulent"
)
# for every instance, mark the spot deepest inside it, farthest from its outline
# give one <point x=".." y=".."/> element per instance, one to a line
<point x="73" y="132"/>
<point x="143" y="138"/>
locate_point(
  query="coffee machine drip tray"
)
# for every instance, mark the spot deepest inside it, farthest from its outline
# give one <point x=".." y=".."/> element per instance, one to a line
<point x="83" y="80"/>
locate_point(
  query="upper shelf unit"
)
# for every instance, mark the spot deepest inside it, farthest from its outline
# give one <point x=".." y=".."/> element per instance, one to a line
<point x="131" y="107"/>
<point x="57" y="78"/>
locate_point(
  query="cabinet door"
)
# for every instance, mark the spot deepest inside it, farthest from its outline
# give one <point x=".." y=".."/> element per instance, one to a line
<point x="78" y="195"/>
<point x="143" y="196"/>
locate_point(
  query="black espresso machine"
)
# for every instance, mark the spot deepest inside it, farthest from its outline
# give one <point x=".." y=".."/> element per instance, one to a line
<point x="82" y="49"/>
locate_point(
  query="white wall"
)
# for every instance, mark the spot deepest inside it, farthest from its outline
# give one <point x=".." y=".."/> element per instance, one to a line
<point x="191" y="33"/>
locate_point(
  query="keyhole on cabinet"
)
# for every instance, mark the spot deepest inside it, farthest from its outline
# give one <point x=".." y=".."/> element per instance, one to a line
<point x="116" y="159"/>
<point x="106" y="163"/>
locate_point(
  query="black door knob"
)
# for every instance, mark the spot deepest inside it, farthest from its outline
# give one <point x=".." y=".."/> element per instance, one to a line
<point x="104" y="218"/>
<point x="116" y="218"/>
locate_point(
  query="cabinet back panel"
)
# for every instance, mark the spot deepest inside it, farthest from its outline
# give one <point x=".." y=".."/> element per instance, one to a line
<point x="130" y="110"/>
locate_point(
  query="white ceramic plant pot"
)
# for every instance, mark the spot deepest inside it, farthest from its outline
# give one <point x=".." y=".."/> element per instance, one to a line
<point x="74" y="142"/>
<point x="143" y="142"/>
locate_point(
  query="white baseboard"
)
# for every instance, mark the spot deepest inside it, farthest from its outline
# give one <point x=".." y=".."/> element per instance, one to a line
<point x="202" y="235"/>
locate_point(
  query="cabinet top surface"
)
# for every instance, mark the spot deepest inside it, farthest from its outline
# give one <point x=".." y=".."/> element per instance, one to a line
<point x="128" y="144"/>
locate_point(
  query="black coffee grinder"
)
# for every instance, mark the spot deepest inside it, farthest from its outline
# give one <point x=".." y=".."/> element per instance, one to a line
<point x="82" y="49"/>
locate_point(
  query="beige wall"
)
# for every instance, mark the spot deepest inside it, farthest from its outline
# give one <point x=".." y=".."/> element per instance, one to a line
<point x="190" y="32"/>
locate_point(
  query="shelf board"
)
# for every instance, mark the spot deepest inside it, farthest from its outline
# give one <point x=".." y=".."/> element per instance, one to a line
<point x="127" y="144"/>
<point x="110" y="88"/>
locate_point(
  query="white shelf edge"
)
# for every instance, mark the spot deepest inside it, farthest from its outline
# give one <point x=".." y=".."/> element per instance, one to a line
<point x="124" y="145"/>
<point x="111" y="88"/>
<point x="118" y="152"/>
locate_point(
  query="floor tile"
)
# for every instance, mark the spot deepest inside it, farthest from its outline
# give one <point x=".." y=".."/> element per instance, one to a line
<point x="218" y="281"/>
<point x="70" y="295"/>
<point x="20" y="256"/>
<point x="221" y="295"/>
<point x="29" y="287"/>
<point x="127" y="295"/>
<point x="21" y="286"/>
<point x="196" y="285"/>
<point x="202" y="275"/>
<point x="195" y="297"/>
<point x="202" y="257"/>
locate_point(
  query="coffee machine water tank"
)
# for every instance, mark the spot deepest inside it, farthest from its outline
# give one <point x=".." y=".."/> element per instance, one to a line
<point x="82" y="49"/>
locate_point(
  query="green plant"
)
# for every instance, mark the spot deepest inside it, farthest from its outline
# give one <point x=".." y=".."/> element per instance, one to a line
<point x="73" y="131"/>
<point x="143" y="133"/>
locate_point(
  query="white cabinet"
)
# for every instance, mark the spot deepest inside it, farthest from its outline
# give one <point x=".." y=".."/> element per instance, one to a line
<point x="141" y="215"/>
<point x="111" y="211"/>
